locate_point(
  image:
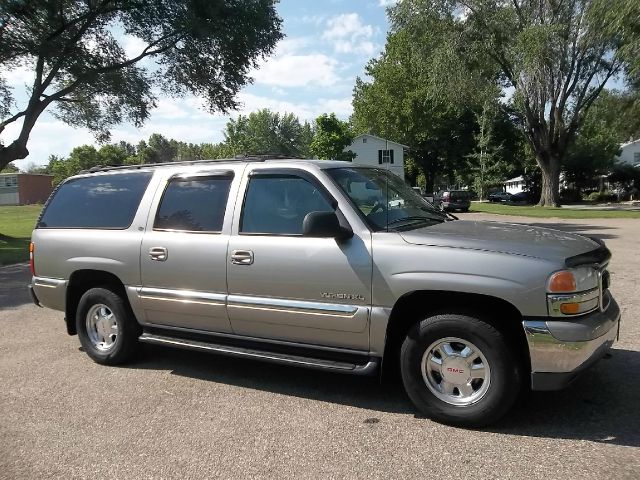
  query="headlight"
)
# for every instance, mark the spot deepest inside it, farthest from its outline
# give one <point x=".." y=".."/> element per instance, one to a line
<point x="573" y="280"/>
<point x="573" y="292"/>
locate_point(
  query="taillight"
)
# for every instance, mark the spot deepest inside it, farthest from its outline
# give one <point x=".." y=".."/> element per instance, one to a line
<point x="32" y="266"/>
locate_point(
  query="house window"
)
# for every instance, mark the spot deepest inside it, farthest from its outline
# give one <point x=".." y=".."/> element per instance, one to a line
<point x="385" y="156"/>
<point x="636" y="157"/>
<point x="364" y="140"/>
<point x="9" y="181"/>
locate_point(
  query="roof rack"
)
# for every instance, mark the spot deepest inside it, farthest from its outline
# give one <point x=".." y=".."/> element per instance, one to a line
<point x="237" y="158"/>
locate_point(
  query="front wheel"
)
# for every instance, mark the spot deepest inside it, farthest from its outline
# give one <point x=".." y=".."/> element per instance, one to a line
<point x="460" y="370"/>
<point x="106" y="327"/>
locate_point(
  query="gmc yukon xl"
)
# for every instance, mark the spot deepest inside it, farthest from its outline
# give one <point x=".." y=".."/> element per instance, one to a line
<point x="323" y="265"/>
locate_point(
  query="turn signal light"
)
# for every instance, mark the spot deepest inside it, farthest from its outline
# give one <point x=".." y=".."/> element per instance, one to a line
<point x="561" y="282"/>
<point x="32" y="265"/>
<point x="570" y="308"/>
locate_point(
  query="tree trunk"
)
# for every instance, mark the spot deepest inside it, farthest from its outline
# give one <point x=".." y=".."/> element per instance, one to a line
<point x="550" y="195"/>
<point x="13" y="151"/>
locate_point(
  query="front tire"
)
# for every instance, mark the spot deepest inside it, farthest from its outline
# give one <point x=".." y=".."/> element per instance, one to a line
<point x="107" y="329"/>
<point x="460" y="370"/>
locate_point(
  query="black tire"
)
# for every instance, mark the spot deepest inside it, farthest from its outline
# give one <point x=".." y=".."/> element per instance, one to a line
<point x="505" y="378"/>
<point x="125" y="344"/>
<point x="464" y="210"/>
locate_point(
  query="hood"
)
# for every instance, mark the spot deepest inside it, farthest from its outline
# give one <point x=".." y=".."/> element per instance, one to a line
<point x="509" y="238"/>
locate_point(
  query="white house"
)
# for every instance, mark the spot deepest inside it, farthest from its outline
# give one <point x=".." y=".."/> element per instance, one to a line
<point x="514" y="185"/>
<point x="375" y="151"/>
<point x="630" y="153"/>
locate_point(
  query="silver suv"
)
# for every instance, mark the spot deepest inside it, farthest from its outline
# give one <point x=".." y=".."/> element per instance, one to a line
<point x="324" y="265"/>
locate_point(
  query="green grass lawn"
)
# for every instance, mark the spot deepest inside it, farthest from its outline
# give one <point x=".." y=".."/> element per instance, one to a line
<point x="16" y="224"/>
<point x="564" y="212"/>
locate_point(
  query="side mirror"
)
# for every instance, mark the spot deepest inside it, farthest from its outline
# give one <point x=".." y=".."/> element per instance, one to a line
<point x="324" y="225"/>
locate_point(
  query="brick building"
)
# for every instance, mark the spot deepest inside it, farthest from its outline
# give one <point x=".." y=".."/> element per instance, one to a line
<point x="24" y="188"/>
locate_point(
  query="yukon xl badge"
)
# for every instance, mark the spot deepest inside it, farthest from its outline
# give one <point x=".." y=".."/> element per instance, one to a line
<point x="342" y="296"/>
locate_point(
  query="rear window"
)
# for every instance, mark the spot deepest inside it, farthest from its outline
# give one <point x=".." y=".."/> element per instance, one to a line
<point x="194" y="205"/>
<point x="101" y="201"/>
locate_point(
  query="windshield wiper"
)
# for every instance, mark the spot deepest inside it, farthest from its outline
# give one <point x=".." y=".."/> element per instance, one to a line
<point x="412" y="220"/>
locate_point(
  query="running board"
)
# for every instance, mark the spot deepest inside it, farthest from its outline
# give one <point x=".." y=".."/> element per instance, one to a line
<point x="367" y="368"/>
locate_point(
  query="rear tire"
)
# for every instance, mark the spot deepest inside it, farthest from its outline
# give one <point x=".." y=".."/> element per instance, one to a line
<point x="460" y="370"/>
<point x="106" y="326"/>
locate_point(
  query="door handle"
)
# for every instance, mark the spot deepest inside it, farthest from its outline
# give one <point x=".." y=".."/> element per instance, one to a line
<point x="242" y="257"/>
<point x="159" y="254"/>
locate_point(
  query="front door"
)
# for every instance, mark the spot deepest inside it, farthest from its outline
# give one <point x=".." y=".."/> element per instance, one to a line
<point x="184" y="251"/>
<point x="285" y="286"/>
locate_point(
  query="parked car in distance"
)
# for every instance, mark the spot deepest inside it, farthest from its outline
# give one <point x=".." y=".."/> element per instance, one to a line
<point x="451" y="200"/>
<point x="499" y="197"/>
<point x="520" y="197"/>
<point x="325" y="265"/>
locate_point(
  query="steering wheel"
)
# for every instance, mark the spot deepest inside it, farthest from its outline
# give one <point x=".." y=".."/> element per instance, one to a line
<point x="378" y="206"/>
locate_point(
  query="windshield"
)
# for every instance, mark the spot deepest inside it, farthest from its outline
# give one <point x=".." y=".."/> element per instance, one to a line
<point x="384" y="200"/>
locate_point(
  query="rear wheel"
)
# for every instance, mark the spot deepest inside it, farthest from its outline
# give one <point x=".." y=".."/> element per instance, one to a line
<point x="460" y="370"/>
<point x="106" y="327"/>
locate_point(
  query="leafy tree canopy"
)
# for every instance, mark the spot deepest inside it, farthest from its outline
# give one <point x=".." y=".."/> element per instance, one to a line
<point x="267" y="132"/>
<point x="331" y="137"/>
<point x="555" y="56"/>
<point x="81" y="69"/>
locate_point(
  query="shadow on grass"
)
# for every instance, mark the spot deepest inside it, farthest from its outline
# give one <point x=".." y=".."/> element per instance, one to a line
<point x="601" y="406"/>
<point x="13" y="250"/>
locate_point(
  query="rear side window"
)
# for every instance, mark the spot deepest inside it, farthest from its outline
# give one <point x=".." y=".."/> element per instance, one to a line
<point x="194" y="205"/>
<point x="101" y="201"/>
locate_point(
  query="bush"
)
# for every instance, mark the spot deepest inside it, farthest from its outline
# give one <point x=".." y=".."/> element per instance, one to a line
<point x="605" y="196"/>
<point x="570" y="195"/>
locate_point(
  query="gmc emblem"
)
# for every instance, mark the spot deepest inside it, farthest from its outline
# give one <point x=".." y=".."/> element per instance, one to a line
<point x="455" y="370"/>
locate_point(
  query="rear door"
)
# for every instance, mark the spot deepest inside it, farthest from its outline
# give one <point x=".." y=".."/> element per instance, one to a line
<point x="184" y="250"/>
<point x="285" y="286"/>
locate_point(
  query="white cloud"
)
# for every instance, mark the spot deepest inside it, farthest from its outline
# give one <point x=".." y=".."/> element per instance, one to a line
<point x="348" y="34"/>
<point x="48" y="137"/>
<point x="19" y="76"/>
<point x="288" y="70"/>
<point x="133" y="46"/>
<point x="303" y="110"/>
<point x="387" y="3"/>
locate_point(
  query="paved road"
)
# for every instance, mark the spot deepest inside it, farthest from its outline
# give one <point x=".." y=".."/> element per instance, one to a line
<point x="189" y="415"/>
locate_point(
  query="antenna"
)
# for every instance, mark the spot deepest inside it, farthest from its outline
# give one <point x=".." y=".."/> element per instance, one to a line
<point x="386" y="147"/>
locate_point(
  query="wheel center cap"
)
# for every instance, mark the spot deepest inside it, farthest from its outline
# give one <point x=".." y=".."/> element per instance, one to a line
<point x="455" y="370"/>
<point x="103" y="327"/>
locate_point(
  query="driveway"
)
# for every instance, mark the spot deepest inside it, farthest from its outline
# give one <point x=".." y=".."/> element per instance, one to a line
<point x="180" y="414"/>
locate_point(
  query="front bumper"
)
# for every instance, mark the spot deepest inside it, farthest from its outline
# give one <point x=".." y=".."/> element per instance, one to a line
<point x="561" y="349"/>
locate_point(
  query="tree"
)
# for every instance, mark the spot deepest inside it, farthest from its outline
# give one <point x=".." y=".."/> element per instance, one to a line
<point x="486" y="165"/>
<point x="82" y="71"/>
<point x="556" y="56"/>
<point x="10" y="168"/>
<point x="266" y="132"/>
<point x="331" y="137"/>
<point x="619" y="113"/>
<point x="420" y="95"/>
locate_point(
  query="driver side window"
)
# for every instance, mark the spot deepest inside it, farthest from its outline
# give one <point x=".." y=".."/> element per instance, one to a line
<point x="277" y="205"/>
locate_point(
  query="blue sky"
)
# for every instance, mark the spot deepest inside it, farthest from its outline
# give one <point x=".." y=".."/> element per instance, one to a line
<point x="327" y="44"/>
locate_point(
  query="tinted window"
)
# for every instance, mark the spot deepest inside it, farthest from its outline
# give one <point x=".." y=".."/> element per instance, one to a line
<point x="278" y="205"/>
<point x="101" y="201"/>
<point x="194" y="205"/>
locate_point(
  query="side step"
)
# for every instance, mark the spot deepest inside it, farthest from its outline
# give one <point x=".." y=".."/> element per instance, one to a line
<point x="367" y="368"/>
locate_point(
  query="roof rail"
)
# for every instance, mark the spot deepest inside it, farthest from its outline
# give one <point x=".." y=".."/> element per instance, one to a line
<point x="237" y="158"/>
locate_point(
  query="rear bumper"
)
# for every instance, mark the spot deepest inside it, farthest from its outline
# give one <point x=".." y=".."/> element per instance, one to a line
<point x="562" y="349"/>
<point x="50" y="292"/>
<point x="34" y="297"/>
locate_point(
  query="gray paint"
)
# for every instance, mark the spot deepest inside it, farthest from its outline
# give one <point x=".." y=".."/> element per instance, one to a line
<point x="316" y="291"/>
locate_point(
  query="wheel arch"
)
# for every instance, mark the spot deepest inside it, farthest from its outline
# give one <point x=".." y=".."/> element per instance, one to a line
<point x="422" y="303"/>
<point x="82" y="280"/>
